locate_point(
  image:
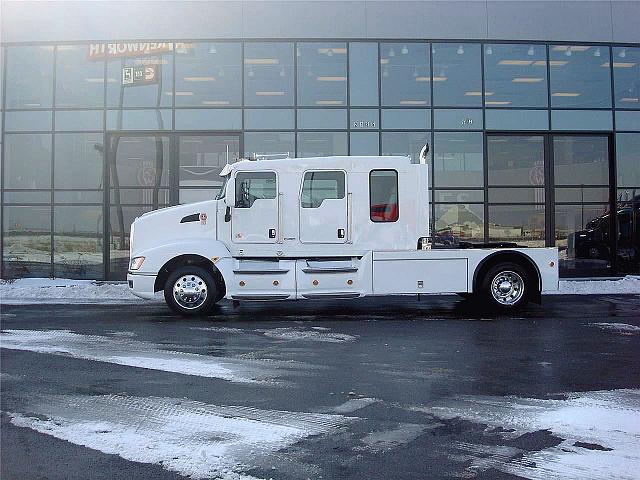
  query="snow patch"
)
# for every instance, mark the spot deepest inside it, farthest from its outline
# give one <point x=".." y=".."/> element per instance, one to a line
<point x="123" y="350"/>
<point x="623" y="328"/>
<point x="629" y="284"/>
<point x="287" y="333"/>
<point x="401" y="435"/>
<point x="191" y="438"/>
<point x="610" y="419"/>
<point x="354" y="404"/>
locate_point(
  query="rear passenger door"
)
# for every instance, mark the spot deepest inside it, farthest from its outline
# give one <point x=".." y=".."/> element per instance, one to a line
<point x="323" y="207"/>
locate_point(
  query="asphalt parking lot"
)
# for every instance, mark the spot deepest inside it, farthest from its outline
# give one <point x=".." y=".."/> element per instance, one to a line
<point x="367" y="389"/>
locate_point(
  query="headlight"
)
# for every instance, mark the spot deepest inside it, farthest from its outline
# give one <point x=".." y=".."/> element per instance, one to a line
<point x="136" y="263"/>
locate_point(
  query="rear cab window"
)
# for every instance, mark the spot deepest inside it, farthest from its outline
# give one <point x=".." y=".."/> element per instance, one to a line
<point x="383" y="196"/>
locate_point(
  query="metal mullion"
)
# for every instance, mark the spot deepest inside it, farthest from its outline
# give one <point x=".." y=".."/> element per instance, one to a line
<point x="2" y="164"/>
<point x="485" y="175"/>
<point x="432" y="137"/>
<point x="379" y="100"/>
<point x="348" y="103"/>
<point x="295" y="98"/>
<point x="53" y="154"/>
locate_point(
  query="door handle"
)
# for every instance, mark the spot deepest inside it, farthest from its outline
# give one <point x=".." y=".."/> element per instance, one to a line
<point x="272" y="233"/>
<point x="341" y="233"/>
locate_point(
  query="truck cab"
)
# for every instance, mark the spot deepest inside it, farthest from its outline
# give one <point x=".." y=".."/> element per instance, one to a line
<point x="327" y="227"/>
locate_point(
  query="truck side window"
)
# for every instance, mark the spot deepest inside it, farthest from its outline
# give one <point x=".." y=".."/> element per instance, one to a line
<point x="383" y="196"/>
<point x="319" y="186"/>
<point x="251" y="186"/>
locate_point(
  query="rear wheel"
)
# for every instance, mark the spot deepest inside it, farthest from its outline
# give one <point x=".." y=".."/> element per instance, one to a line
<point x="190" y="290"/>
<point x="507" y="286"/>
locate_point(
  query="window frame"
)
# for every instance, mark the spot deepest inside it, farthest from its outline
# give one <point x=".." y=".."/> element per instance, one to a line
<point x="304" y="176"/>
<point x="235" y="185"/>
<point x="397" y="194"/>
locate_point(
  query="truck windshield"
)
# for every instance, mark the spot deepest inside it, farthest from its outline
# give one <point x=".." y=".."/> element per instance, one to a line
<point x="223" y="189"/>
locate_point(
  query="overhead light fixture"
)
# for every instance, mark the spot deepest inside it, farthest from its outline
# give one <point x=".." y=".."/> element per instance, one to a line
<point x="531" y="52"/>
<point x="552" y="63"/>
<point x="515" y="62"/>
<point x="460" y="50"/>
<point x="261" y="61"/>
<point x="472" y="94"/>
<point x="180" y="94"/>
<point x="404" y="50"/>
<point x="328" y="102"/>
<point x="527" y="80"/>
<point x="489" y="50"/>
<point x="384" y="61"/>
<point x="330" y="52"/>
<point x="215" y="102"/>
<point x="496" y="102"/>
<point x="623" y="53"/>
<point x="567" y="52"/>
<point x="573" y="48"/>
<point x="566" y="94"/>
<point x="630" y="99"/>
<point x="199" y="79"/>
<point x="392" y="52"/>
<point x="213" y="50"/>
<point x="331" y="79"/>
<point x="619" y="64"/>
<point x="426" y="79"/>
<point x="597" y="52"/>
<point x="413" y="102"/>
<point x="333" y="51"/>
<point x="270" y="94"/>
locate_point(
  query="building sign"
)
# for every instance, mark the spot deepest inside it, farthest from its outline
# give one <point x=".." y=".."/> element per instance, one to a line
<point x="364" y="124"/>
<point x="100" y="51"/>
<point x="139" y="75"/>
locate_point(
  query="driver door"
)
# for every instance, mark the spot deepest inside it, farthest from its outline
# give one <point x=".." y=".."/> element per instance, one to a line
<point x="255" y="217"/>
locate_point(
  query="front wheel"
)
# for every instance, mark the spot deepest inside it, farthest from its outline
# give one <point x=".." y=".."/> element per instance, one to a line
<point x="507" y="287"/>
<point x="190" y="290"/>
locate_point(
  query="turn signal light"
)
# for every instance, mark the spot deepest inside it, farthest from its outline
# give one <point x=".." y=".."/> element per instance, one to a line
<point x="136" y="263"/>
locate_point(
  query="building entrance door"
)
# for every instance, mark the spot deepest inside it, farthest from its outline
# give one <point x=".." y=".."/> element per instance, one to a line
<point x="149" y="170"/>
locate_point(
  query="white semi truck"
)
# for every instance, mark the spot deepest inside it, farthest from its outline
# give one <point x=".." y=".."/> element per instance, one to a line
<point x="329" y="227"/>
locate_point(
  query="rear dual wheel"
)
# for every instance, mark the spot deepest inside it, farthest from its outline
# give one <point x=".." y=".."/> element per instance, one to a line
<point x="191" y="290"/>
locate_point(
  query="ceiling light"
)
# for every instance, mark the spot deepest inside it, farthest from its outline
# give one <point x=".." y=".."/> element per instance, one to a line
<point x="489" y="50"/>
<point x="328" y="102"/>
<point x="331" y="79"/>
<point x="336" y="51"/>
<point x="515" y="62"/>
<point x="553" y="63"/>
<point x="261" y="61"/>
<point x="427" y="79"/>
<point x="527" y="79"/>
<point x="566" y="94"/>
<point x="623" y="53"/>
<point x="630" y="99"/>
<point x="199" y="79"/>
<point x="392" y="52"/>
<point x="531" y="52"/>
<point x="413" y="102"/>
<point x="568" y="52"/>
<point x="384" y="61"/>
<point x="460" y="50"/>
<point x="180" y="94"/>
<point x="597" y="52"/>
<point x="404" y="50"/>
<point x="619" y="64"/>
<point x="473" y="94"/>
<point x="269" y="94"/>
<point x="496" y="102"/>
<point x="215" y="102"/>
<point x="573" y="48"/>
<point x="213" y="50"/>
<point x="330" y="52"/>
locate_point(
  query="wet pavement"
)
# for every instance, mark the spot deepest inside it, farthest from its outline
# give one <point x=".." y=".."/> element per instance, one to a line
<point x="367" y="389"/>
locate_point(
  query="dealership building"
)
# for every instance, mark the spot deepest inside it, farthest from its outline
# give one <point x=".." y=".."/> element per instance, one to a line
<point x="531" y="110"/>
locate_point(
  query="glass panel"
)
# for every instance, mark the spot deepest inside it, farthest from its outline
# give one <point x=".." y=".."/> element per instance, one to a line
<point x="515" y="160"/>
<point x="142" y="78"/>
<point x="459" y="222"/>
<point x="268" y="74"/>
<point x="320" y="186"/>
<point x="628" y="255"/>
<point x="323" y="118"/>
<point x="79" y="120"/>
<point x="582" y="194"/>
<point x="78" y="160"/>
<point x="627" y="120"/>
<point x="252" y="186"/>
<point x="204" y="119"/>
<point x="364" y="143"/>
<point x="458" y="196"/>
<point x="405" y="74"/>
<point x="208" y="74"/>
<point x="120" y="220"/>
<point x="139" y="120"/>
<point x="409" y="119"/>
<point x="457" y="76"/>
<point x="322" y="74"/>
<point x="27" y="160"/>
<point x="202" y="158"/>
<point x="27" y="121"/>
<point x="583" y="238"/>
<point x="140" y="196"/>
<point x="515" y="75"/>
<point x="140" y="162"/>
<point x="579" y="76"/>
<point x="626" y="77"/>
<point x="77" y="242"/>
<point x="78" y="196"/>
<point x="405" y="143"/>
<point x="79" y="78"/>
<point x="517" y="119"/>
<point x="628" y="159"/>
<point x="269" y="119"/>
<point x="364" y="118"/>
<point x="29" y="196"/>
<point x="523" y="224"/>
<point x="581" y="120"/>
<point x="516" y="195"/>
<point x="383" y="196"/>
<point x="269" y="143"/>
<point x="363" y="74"/>
<point x="458" y="159"/>
<point x="191" y="195"/>
<point x="322" y="144"/>
<point x="453" y="119"/>
<point x="29" y="77"/>
<point x="581" y="160"/>
<point x="27" y="241"/>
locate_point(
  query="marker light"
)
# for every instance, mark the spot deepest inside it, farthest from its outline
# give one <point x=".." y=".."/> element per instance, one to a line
<point x="136" y="263"/>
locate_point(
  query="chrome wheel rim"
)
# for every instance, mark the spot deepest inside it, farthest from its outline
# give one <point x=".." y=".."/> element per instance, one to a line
<point x="507" y="288"/>
<point x="190" y="291"/>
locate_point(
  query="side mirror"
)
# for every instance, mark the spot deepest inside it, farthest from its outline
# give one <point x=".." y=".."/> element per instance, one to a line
<point x="227" y="214"/>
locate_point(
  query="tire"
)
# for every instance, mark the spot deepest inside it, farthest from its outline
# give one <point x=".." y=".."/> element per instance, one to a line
<point x="189" y="298"/>
<point x="507" y="287"/>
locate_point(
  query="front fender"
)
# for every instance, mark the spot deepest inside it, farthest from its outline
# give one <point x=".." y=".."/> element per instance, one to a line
<point x="158" y="256"/>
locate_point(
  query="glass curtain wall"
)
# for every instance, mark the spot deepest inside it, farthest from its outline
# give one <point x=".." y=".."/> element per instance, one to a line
<point x="501" y="118"/>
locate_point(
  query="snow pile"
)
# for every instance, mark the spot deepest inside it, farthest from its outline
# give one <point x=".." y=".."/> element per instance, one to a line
<point x="62" y="290"/>
<point x="628" y="284"/>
